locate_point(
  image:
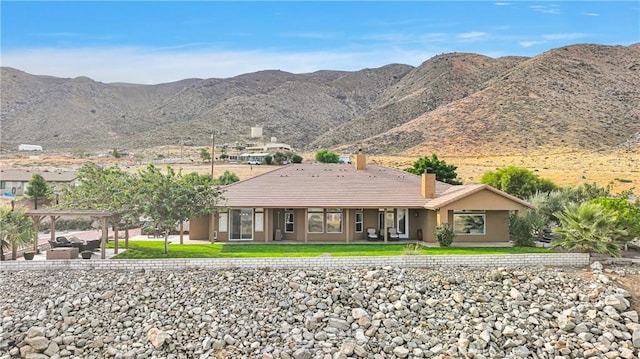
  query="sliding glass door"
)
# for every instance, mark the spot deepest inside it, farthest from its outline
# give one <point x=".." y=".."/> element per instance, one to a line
<point x="241" y="224"/>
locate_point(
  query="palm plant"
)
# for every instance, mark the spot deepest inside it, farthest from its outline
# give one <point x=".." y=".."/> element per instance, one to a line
<point x="589" y="227"/>
<point x="16" y="230"/>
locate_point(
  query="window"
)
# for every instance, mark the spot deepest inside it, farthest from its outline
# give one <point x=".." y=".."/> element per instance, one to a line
<point x="469" y="223"/>
<point x="289" y="221"/>
<point x="359" y="221"/>
<point x="223" y="219"/>
<point x="315" y="220"/>
<point x="334" y="220"/>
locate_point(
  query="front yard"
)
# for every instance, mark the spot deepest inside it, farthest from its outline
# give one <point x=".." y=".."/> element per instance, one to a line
<point x="154" y="249"/>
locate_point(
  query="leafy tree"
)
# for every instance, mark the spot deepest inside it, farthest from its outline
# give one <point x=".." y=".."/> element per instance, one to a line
<point x="268" y="159"/>
<point x="226" y="178"/>
<point x="555" y="201"/>
<point x="443" y="171"/>
<point x="205" y="155"/>
<point x="16" y="230"/>
<point x="105" y="189"/>
<point x="517" y="181"/>
<point x="295" y="158"/>
<point x="278" y="158"/>
<point x="525" y="229"/>
<point x="627" y="215"/>
<point x="168" y="199"/>
<point x="326" y="156"/>
<point x="589" y="227"/>
<point x="38" y="188"/>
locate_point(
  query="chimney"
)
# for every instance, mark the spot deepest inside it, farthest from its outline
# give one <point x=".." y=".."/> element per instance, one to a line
<point x="361" y="161"/>
<point x="429" y="185"/>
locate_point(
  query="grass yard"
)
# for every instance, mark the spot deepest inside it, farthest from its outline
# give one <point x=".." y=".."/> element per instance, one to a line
<point x="155" y="249"/>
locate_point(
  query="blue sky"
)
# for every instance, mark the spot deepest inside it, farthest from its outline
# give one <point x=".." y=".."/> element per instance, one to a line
<point x="160" y="41"/>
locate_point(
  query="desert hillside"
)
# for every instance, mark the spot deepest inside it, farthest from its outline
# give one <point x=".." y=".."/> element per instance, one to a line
<point x="576" y="98"/>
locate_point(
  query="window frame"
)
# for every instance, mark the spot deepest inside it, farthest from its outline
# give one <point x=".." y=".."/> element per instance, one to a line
<point x="457" y="219"/>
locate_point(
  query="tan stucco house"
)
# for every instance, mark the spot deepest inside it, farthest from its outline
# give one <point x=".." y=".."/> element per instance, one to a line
<point x="339" y="202"/>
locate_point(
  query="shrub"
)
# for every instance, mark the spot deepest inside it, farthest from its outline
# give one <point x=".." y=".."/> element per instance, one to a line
<point x="445" y="234"/>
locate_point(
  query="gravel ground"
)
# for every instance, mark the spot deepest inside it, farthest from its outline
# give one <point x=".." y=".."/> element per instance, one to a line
<point x="302" y="314"/>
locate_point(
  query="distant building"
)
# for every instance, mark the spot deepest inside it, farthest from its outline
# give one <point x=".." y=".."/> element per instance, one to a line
<point x="29" y="148"/>
<point x="256" y="132"/>
<point x="269" y="148"/>
<point x="17" y="181"/>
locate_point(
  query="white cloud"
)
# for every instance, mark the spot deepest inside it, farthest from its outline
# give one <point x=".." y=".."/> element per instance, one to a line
<point x="567" y="36"/>
<point x="502" y="3"/>
<point x="530" y="43"/>
<point x="473" y="35"/>
<point x="591" y="14"/>
<point x="546" y="9"/>
<point x="145" y="66"/>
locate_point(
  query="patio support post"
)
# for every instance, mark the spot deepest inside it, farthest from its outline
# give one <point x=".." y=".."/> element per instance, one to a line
<point x="385" y="226"/>
<point x="265" y="221"/>
<point x="212" y="219"/>
<point x="126" y="238"/>
<point x="103" y="244"/>
<point x="115" y="238"/>
<point x="346" y="226"/>
<point x="36" y="224"/>
<point x="181" y="232"/>
<point x="53" y="227"/>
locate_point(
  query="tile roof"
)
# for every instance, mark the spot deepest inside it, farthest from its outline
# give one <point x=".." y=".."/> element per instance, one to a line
<point x="25" y="175"/>
<point x="329" y="185"/>
<point x="455" y="193"/>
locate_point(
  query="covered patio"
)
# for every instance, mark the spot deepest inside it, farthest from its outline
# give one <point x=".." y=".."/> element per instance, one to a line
<point x="54" y="214"/>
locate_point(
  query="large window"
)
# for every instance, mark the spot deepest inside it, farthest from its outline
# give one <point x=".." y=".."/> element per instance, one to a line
<point x="315" y="220"/>
<point x="317" y="217"/>
<point x="469" y="223"/>
<point x="334" y="220"/>
<point x="289" y="221"/>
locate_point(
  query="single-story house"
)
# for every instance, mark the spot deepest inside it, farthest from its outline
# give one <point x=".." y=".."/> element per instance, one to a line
<point x="17" y="181"/>
<point x="341" y="203"/>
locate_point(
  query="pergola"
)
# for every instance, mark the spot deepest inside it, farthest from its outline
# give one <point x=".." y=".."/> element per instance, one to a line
<point x="54" y="214"/>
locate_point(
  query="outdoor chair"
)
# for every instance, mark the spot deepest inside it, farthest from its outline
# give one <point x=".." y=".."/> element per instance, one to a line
<point x="62" y="241"/>
<point x="393" y="234"/>
<point x="372" y="234"/>
<point x="91" y="245"/>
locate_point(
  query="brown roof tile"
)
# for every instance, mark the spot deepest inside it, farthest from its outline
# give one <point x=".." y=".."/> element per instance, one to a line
<point x="329" y="185"/>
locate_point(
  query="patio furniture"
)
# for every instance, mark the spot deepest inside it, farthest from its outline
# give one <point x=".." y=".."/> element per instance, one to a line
<point x="91" y="245"/>
<point x="61" y="241"/>
<point x="393" y="234"/>
<point x="62" y="253"/>
<point x="372" y="234"/>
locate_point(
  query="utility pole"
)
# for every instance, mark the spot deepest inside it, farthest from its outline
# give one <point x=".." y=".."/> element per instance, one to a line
<point x="213" y="148"/>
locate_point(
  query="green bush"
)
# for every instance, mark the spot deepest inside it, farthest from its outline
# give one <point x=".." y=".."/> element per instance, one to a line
<point x="445" y="234"/>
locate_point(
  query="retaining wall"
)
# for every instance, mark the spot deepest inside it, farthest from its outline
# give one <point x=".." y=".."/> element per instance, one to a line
<point x="406" y="261"/>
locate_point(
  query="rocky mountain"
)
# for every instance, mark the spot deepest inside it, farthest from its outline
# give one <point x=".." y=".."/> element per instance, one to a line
<point x="575" y="97"/>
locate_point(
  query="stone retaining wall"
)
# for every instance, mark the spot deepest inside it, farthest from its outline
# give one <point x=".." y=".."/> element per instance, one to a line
<point x="406" y="261"/>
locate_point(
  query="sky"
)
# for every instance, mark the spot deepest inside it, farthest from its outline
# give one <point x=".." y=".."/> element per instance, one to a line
<point x="151" y="42"/>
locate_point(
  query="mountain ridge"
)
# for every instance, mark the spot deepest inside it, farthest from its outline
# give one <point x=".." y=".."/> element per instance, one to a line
<point x="583" y="96"/>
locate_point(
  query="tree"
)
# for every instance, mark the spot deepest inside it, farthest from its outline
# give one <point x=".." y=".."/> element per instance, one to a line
<point x="106" y="189"/>
<point x="589" y="227"/>
<point x="517" y="181"/>
<point x="326" y="156"/>
<point x="627" y="215"/>
<point x="168" y="199"/>
<point x="295" y="158"/>
<point x="16" y="230"/>
<point x="444" y="172"/>
<point x="268" y="159"/>
<point x="38" y="188"/>
<point x="525" y="229"/>
<point x="205" y="155"/>
<point x="226" y="178"/>
<point x="278" y="158"/>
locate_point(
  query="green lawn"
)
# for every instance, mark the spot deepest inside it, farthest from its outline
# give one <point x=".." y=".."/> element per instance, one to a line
<point x="154" y="249"/>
